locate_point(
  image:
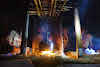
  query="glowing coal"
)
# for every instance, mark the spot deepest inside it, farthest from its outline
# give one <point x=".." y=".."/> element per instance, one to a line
<point x="47" y="53"/>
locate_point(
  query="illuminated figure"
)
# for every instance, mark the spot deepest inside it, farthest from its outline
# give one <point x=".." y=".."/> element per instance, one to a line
<point x="15" y="40"/>
<point x="88" y="44"/>
<point x="88" y="41"/>
<point x="84" y="37"/>
<point x="65" y="38"/>
<point x="93" y="45"/>
<point x="35" y="44"/>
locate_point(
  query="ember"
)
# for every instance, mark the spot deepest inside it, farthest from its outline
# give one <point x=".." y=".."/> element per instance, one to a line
<point x="47" y="53"/>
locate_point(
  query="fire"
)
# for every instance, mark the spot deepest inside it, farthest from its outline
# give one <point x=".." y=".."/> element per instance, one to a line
<point x="47" y="53"/>
<point x="16" y="50"/>
<point x="28" y="51"/>
<point x="72" y="55"/>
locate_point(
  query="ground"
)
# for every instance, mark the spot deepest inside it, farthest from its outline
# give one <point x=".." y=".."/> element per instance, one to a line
<point x="20" y="61"/>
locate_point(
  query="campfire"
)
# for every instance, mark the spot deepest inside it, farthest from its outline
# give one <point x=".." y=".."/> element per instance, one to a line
<point x="47" y="53"/>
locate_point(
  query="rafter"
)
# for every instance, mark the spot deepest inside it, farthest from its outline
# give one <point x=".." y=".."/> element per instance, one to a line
<point x="50" y="7"/>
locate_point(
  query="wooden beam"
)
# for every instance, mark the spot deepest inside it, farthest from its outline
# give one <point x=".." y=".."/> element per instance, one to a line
<point x="41" y="7"/>
<point x="65" y="1"/>
<point x="54" y="9"/>
<point x="37" y="7"/>
<point x="52" y="3"/>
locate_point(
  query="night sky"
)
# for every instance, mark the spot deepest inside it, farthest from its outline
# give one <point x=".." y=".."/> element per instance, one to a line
<point x="11" y="15"/>
<point x="93" y="17"/>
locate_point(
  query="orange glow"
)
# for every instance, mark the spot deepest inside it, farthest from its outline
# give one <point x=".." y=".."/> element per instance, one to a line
<point x="72" y="55"/>
<point x="16" y="51"/>
<point x="28" y="51"/>
<point x="47" y="53"/>
<point x="35" y="44"/>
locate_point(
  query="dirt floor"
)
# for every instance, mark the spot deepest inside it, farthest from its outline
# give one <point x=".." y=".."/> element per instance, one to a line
<point x="20" y="61"/>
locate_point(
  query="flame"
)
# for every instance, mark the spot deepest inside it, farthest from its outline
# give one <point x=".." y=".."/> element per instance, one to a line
<point x="47" y="53"/>
<point x="28" y="51"/>
<point x="72" y="55"/>
<point x="16" y="50"/>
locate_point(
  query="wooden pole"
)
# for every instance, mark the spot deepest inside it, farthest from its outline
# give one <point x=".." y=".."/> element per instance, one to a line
<point x="37" y="7"/>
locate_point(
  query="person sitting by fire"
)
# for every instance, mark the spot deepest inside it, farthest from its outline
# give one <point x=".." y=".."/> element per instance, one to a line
<point x="90" y="43"/>
<point x="58" y="43"/>
<point x="69" y="40"/>
<point x="35" y="44"/>
<point x="15" y="40"/>
<point x="65" y="37"/>
<point x="84" y="39"/>
<point x="87" y="44"/>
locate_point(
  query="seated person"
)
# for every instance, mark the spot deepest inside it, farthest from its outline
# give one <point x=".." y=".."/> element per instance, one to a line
<point x="89" y="45"/>
<point x="15" y="40"/>
<point x="87" y="41"/>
